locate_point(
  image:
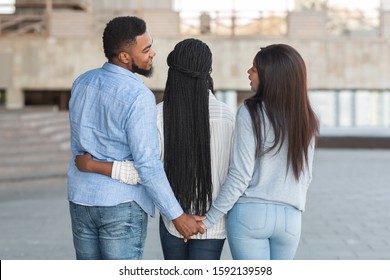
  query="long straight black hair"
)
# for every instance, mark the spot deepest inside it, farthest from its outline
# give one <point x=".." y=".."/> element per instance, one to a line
<point x="187" y="159"/>
<point x="282" y="96"/>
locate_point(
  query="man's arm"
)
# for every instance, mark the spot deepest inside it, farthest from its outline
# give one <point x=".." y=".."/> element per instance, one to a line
<point x="184" y="223"/>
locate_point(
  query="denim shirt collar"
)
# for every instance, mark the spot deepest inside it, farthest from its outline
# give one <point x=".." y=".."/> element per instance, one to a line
<point x="120" y="70"/>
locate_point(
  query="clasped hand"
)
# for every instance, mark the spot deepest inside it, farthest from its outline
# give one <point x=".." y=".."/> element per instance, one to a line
<point x="189" y="225"/>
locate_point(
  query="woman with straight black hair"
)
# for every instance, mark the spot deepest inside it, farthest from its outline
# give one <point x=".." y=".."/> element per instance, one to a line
<point x="271" y="168"/>
<point x="195" y="132"/>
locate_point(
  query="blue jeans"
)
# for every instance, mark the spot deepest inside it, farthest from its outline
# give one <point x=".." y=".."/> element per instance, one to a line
<point x="108" y="233"/>
<point x="174" y="248"/>
<point x="263" y="231"/>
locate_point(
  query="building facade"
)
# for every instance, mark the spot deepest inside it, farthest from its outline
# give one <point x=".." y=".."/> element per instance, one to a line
<point x="46" y="44"/>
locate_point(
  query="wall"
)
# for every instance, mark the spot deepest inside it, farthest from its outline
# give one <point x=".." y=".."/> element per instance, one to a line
<point x="332" y="63"/>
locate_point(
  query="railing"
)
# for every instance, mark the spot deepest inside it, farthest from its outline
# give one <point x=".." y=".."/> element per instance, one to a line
<point x="74" y="4"/>
<point x="228" y="23"/>
<point x="23" y="24"/>
<point x="33" y="16"/>
<point x="353" y="22"/>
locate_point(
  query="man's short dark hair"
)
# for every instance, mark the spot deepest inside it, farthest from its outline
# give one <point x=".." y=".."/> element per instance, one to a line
<point x="121" y="31"/>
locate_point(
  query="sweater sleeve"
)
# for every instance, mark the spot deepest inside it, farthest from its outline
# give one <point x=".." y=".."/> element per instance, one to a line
<point x="240" y="170"/>
<point x="125" y="172"/>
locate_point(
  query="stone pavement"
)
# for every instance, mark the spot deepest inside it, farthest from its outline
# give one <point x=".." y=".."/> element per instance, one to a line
<point x="347" y="215"/>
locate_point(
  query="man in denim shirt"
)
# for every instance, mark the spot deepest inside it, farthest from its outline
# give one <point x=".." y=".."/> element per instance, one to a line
<point x="113" y="117"/>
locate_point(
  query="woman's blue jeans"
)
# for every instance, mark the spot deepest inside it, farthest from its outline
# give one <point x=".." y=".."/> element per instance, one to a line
<point x="109" y="233"/>
<point x="174" y="248"/>
<point x="263" y="231"/>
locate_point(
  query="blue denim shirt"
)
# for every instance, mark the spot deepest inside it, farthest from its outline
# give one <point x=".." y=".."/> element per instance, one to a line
<point x="113" y="116"/>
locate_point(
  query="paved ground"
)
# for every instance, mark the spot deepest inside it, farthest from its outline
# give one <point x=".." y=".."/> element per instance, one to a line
<point x="347" y="215"/>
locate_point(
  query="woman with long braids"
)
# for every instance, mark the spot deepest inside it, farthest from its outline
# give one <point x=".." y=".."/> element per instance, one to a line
<point x="195" y="135"/>
<point x="271" y="168"/>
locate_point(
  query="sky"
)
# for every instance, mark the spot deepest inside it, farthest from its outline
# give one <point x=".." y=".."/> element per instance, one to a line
<point x="3" y="5"/>
<point x="245" y="5"/>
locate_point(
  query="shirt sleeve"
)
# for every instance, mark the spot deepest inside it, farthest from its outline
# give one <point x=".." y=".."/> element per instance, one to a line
<point x="143" y="139"/>
<point x="240" y="170"/>
<point x="125" y="172"/>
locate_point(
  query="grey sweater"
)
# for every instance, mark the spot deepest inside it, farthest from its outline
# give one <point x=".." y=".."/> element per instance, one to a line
<point x="261" y="180"/>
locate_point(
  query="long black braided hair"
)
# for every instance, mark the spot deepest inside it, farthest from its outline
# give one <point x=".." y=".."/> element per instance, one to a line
<point x="187" y="159"/>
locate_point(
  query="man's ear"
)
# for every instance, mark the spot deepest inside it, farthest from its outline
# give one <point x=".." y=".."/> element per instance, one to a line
<point x="124" y="57"/>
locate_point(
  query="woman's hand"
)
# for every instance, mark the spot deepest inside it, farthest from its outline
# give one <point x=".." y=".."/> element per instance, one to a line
<point x="86" y="163"/>
<point x="199" y="220"/>
<point x="83" y="162"/>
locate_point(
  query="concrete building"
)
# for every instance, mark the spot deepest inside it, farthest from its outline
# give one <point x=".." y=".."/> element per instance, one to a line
<point x="46" y="44"/>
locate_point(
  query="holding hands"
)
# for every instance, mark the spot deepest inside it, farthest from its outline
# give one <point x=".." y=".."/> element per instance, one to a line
<point x="186" y="224"/>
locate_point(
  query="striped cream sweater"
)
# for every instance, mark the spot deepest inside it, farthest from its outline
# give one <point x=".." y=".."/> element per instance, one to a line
<point x="221" y="132"/>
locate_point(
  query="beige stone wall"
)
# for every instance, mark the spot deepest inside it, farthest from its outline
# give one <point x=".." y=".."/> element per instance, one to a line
<point x="71" y="24"/>
<point x="44" y="63"/>
<point x="334" y="63"/>
<point x="52" y="64"/>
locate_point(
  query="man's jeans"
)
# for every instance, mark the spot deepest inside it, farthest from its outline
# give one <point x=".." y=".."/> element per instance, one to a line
<point x="109" y="233"/>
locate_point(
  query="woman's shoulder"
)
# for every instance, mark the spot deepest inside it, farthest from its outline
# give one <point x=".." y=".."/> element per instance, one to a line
<point x="242" y="111"/>
<point x="219" y="110"/>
